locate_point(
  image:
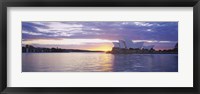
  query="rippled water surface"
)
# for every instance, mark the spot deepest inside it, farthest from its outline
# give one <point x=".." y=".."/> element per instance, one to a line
<point x="98" y="62"/>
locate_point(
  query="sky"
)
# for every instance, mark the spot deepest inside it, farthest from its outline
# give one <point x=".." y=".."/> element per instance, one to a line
<point x="98" y="35"/>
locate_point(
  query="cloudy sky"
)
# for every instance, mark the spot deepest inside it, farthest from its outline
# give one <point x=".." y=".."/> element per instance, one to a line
<point x="98" y="35"/>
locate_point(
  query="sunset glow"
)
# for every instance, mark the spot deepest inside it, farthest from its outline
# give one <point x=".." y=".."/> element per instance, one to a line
<point x="102" y="48"/>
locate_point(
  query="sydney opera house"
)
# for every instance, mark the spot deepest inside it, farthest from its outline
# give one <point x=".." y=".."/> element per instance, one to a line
<point x="129" y="47"/>
<point x="128" y="44"/>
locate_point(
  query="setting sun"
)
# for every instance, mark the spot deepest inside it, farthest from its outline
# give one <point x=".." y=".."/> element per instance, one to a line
<point x="102" y="48"/>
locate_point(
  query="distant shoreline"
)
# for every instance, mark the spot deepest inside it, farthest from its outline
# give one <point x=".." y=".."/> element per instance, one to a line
<point x="32" y="49"/>
<point x="116" y="50"/>
<point x="98" y="52"/>
<point x="67" y="52"/>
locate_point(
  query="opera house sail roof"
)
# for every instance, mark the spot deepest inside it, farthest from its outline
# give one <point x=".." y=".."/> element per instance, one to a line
<point x="130" y="44"/>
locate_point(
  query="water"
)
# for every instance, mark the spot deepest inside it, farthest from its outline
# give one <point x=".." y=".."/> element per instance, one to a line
<point x="98" y="62"/>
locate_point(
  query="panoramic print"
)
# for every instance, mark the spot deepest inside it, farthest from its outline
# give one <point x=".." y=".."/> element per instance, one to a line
<point x="99" y="46"/>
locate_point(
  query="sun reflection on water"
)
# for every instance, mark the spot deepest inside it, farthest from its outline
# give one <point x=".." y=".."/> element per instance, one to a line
<point x="106" y="62"/>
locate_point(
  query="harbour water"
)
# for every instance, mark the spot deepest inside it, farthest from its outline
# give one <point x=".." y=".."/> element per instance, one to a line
<point x="98" y="62"/>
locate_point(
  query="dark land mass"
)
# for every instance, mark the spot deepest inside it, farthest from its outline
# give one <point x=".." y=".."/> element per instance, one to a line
<point x="116" y="50"/>
<point x="32" y="49"/>
<point x="142" y="51"/>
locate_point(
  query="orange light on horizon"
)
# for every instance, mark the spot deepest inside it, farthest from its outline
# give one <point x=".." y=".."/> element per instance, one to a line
<point x="102" y="48"/>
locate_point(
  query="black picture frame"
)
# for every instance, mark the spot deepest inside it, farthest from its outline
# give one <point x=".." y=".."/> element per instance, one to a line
<point x="100" y="3"/>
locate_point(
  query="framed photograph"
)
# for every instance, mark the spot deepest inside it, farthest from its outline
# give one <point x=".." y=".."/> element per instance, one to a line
<point x="74" y="46"/>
